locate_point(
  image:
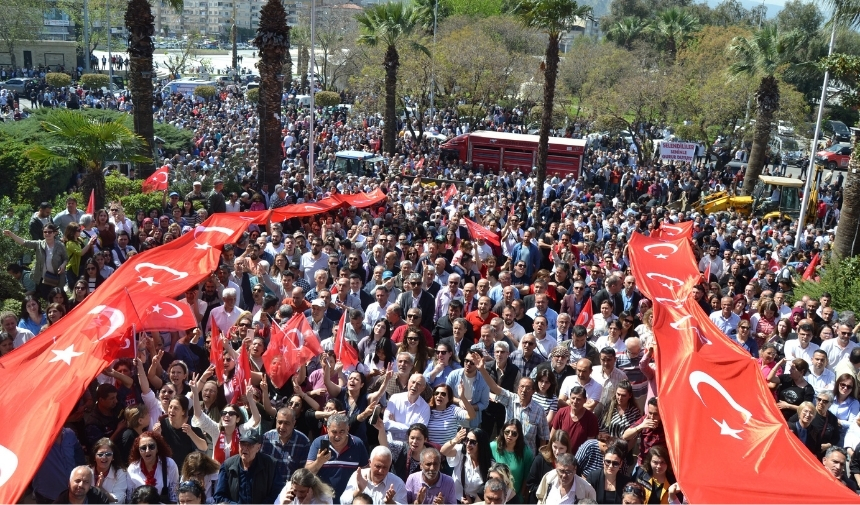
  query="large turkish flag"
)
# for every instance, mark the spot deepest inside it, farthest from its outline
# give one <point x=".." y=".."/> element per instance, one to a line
<point x="727" y="440"/>
<point x="157" y="181"/>
<point x="478" y="231"/>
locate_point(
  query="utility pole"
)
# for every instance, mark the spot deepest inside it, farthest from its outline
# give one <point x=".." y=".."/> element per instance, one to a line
<point x="86" y="36"/>
<point x="433" y="64"/>
<point x="312" y="125"/>
<point x="234" y="34"/>
<point x="110" y="61"/>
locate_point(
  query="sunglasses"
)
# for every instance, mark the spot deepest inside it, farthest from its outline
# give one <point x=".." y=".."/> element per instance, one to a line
<point x="228" y="413"/>
<point x="441" y="351"/>
<point x="611" y="462"/>
<point x="512" y="433"/>
<point x="105" y="454"/>
<point x="471" y="441"/>
<point x="443" y="394"/>
<point x="148" y="447"/>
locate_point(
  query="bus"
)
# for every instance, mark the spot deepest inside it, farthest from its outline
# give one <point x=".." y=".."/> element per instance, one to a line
<point x="511" y="151"/>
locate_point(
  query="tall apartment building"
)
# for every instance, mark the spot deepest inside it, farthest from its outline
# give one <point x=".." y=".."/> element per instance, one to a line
<point x="212" y="17"/>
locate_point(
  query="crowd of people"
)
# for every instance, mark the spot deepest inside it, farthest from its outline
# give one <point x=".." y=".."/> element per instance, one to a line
<point x="474" y="381"/>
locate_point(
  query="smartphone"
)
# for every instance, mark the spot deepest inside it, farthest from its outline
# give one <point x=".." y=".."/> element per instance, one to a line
<point x="376" y="413"/>
<point x="325" y="445"/>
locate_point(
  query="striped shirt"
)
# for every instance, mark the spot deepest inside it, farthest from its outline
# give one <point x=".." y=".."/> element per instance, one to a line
<point x="620" y="422"/>
<point x="444" y="424"/>
<point x="548" y="404"/>
<point x="589" y="459"/>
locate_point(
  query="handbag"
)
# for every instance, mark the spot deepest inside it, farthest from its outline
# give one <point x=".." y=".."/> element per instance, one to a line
<point x="51" y="279"/>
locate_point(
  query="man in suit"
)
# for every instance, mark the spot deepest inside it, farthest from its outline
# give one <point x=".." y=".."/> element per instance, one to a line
<point x="573" y="302"/>
<point x="355" y="285"/>
<point x="320" y="324"/>
<point x="445" y="325"/>
<point x="630" y="296"/>
<point x="430" y="284"/>
<point x="612" y="292"/>
<point x="419" y="298"/>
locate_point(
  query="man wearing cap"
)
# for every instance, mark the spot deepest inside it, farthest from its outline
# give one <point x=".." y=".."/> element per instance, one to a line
<point x="322" y="325"/>
<point x="217" y="202"/>
<point x="248" y="477"/>
<point x="174" y="203"/>
<point x="40" y="219"/>
<point x="196" y="193"/>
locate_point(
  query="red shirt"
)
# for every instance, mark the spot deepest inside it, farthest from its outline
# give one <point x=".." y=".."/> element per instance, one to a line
<point x="475" y="320"/>
<point x="578" y="431"/>
<point x="400" y="333"/>
<point x="648" y="438"/>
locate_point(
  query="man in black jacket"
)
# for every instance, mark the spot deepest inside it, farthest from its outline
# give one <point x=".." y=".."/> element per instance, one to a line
<point x="82" y="488"/>
<point x="248" y="477"/>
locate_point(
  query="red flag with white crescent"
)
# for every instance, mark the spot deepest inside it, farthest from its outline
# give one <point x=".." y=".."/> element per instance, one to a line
<point x="303" y="337"/>
<point x="478" y="231"/>
<point x="281" y="357"/>
<point x="159" y="313"/>
<point x="241" y="373"/>
<point x="715" y="408"/>
<point x="450" y="192"/>
<point x="343" y="350"/>
<point x="216" y="350"/>
<point x="157" y="181"/>
<point x="586" y="315"/>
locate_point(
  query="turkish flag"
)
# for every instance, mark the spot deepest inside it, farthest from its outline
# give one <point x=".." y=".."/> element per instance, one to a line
<point x="586" y="315"/>
<point x="107" y="325"/>
<point x="163" y="314"/>
<point x="241" y="374"/>
<point x="157" y="181"/>
<point x="343" y="350"/>
<point x="674" y="231"/>
<point x="450" y="192"/>
<point x="281" y="358"/>
<point x="773" y="265"/>
<point x="478" y="231"/>
<point x="715" y="407"/>
<point x="91" y="205"/>
<point x="303" y="337"/>
<point x="809" y="273"/>
<point x="216" y="350"/>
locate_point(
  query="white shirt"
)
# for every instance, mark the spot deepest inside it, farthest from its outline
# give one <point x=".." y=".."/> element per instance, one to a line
<point x="836" y="354"/>
<point x="823" y="382"/>
<point x="609" y="382"/>
<point x="517" y="331"/>
<point x="22" y="337"/>
<point x="727" y="325"/>
<point x="619" y="345"/>
<point x="374" y="313"/>
<point x="135" y="475"/>
<point x="375" y="491"/>
<point x="593" y="389"/>
<point x="403" y="414"/>
<point x="793" y="350"/>
<point x="309" y="266"/>
<point x="224" y="319"/>
<point x="473" y="480"/>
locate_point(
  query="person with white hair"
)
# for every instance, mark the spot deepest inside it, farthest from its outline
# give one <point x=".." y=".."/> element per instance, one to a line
<point x="377" y="481"/>
<point x="225" y="315"/>
<point x="82" y="488"/>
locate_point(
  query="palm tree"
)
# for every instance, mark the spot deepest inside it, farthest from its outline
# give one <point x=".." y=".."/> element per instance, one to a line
<point x="301" y="37"/>
<point x="390" y="25"/>
<point x="83" y="142"/>
<point x="552" y="17"/>
<point x="673" y="28"/>
<point x="140" y="24"/>
<point x="273" y="41"/>
<point x="430" y="13"/>
<point x="625" y="32"/>
<point x="761" y="55"/>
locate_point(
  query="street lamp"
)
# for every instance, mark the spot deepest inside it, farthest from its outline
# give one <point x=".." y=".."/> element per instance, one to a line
<point x="311" y="125"/>
<point x="433" y="62"/>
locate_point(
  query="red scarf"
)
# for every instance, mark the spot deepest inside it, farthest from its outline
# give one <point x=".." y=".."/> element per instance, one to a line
<point x="219" y="453"/>
<point x="149" y="475"/>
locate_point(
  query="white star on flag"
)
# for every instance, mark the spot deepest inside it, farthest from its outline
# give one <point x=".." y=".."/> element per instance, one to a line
<point x="202" y="246"/>
<point x="156" y="308"/>
<point x="65" y="355"/>
<point x="725" y="429"/>
<point x="149" y="280"/>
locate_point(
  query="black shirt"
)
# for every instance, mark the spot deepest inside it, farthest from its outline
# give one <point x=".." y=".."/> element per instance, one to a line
<point x="180" y="443"/>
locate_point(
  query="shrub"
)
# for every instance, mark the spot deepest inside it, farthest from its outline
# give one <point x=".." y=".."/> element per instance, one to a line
<point x="58" y="79"/>
<point x="326" y="99"/>
<point x="94" y="81"/>
<point x="468" y="110"/>
<point x="206" y="92"/>
<point x="840" y="280"/>
<point x="253" y="95"/>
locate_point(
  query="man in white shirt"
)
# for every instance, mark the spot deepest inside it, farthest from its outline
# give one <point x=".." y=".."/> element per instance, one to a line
<point x="314" y="260"/>
<point x="712" y="259"/>
<point x="225" y="315"/>
<point x="376" y="310"/>
<point x="406" y="409"/>
<point x="512" y="329"/>
<point x="377" y="481"/>
<point x="545" y="343"/>
<point x="779" y="300"/>
<point x="276" y="246"/>
<point x="446" y="294"/>
<point x="726" y="320"/>
<point x="593" y="389"/>
<point x="19" y="336"/>
<point x="802" y="347"/>
<point x="820" y="377"/>
<point x="840" y="347"/>
<point x="607" y="375"/>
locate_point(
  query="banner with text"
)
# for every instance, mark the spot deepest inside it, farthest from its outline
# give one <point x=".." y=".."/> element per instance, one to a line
<point x="678" y="151"/>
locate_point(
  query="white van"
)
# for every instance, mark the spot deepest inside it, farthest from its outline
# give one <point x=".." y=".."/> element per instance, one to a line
<point x="185" y="86"/>
<point x="303" y="100"/>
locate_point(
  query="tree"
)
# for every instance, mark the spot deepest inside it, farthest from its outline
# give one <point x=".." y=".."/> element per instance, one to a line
<point x="336" y="32"/>
<point x="552" y="17"/>
<point x="99" y="10"/>
<point x="389" y="25"/>
<point x="760" y="56"/>
<point x="140" y="24"/>
<point x="21" y="20"/>
<point x="273" y="41"/>
<point x="673" y="28"/>
<point x="627" y="31"/>
<point x="87" y="143"/>
<point x="431" y="13"/>
<point x="177" y="63"/>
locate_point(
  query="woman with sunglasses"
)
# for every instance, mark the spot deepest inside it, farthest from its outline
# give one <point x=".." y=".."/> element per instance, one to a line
<point x="609" y="481"/>
<point x="470" y="457"/>
<point x="628" y="321"/>
<point x="151" y="465"/>
<point x="634" y="494"/>
<point x="110" y="476"/>
<point x="510" y="448"/>
<point x="745" y="339"/>
<point x="58" y="258"/>
<point x="845" y="405"/>
<point x="414" y="344"/>
<point x="442" y="364"/>
<point x="78" y="249"/>
<point x="226" y="433"/>
<point x="447" y="412"/>
<point x="92" y="275"/>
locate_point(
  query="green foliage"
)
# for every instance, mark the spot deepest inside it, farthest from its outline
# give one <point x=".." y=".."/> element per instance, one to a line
<point x="470" y="110"/>
<point x="253" y="95"/>
<point x="472" y="8"/>
<point x="24" y="180"/>
<point x="94" y="81"/>
<point x="58" y="79"/>
<point x="840" y="280"/>
<point x="327" y="99"/>
<point x="206" y="92"/>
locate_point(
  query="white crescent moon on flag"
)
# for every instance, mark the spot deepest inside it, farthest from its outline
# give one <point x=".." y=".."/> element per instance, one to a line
<point x="127" y="344"/>
<point x="115" y="316"/>
<point x="179" y="275"/>
<point x="8" y="464"/>
<point x="677" y="326"/>
<point x="652" y="275"/>
<point x="178" y="314"/>
<point x="164" y="173"/>
<point x="697" y="377"/>
<point x="212" y="229"/>
<point x="670" y="227"/>
<point x="648" y="248"/>
<point x="675" y="303"/>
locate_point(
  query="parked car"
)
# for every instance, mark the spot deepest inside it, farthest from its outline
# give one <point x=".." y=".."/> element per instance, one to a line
<point x="836" y="130"/>
<point x="835" y="157"/>
<point x="17" y="84"/>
